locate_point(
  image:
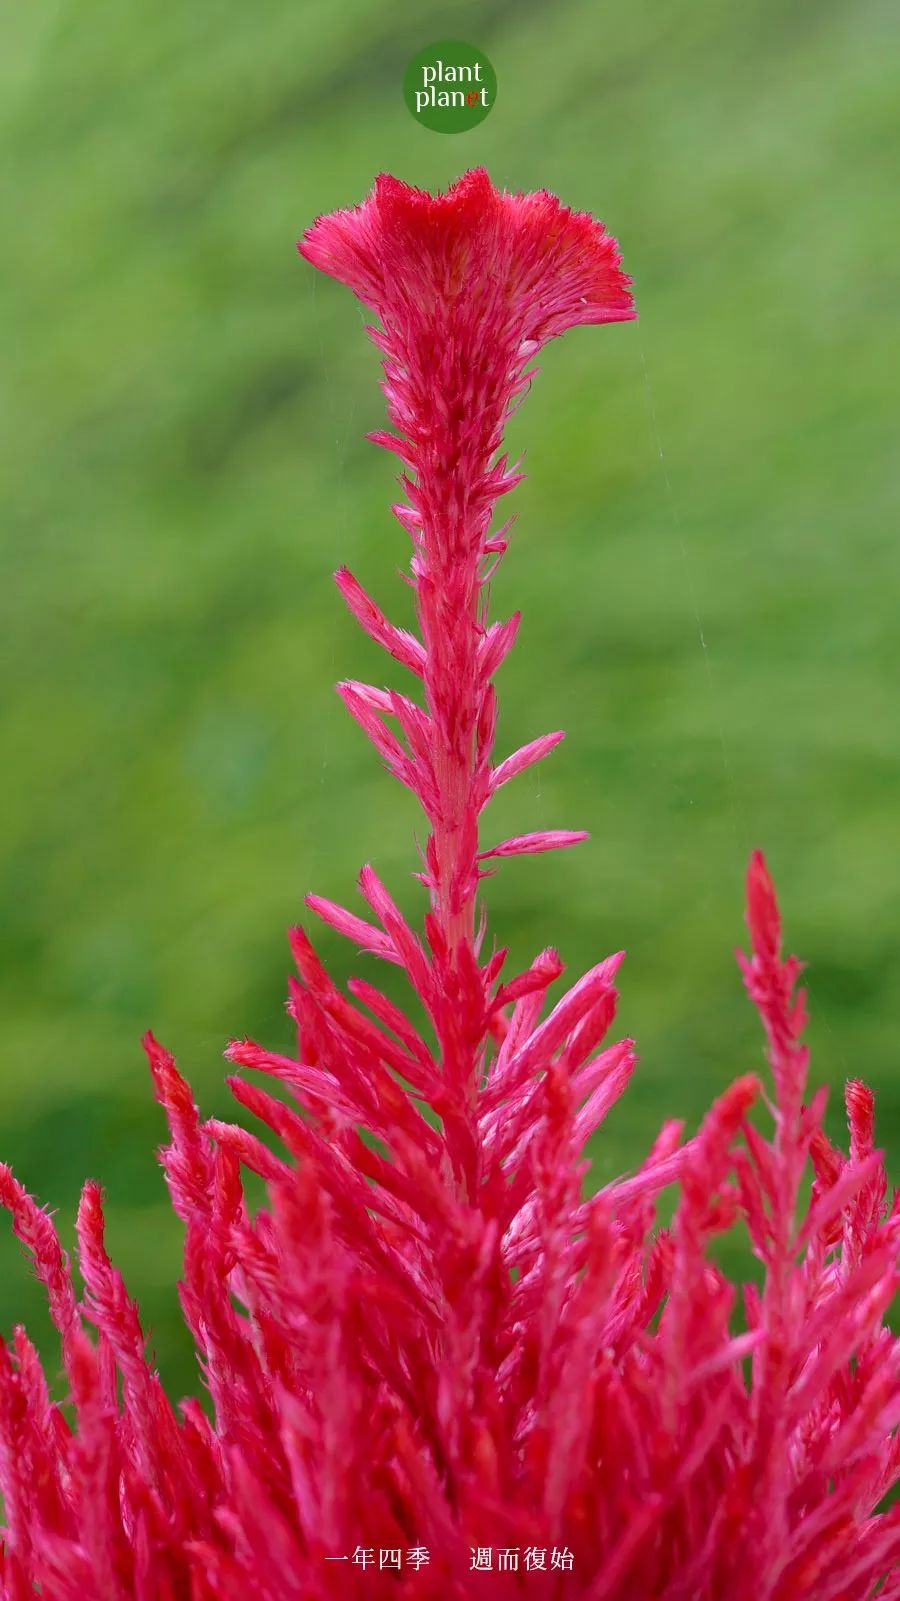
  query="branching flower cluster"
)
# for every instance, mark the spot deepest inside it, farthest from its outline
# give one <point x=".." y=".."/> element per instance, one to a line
<point x="428" y="1339"/>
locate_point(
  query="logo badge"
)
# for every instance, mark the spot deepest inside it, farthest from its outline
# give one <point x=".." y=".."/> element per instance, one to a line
<point x="450" y="87"/>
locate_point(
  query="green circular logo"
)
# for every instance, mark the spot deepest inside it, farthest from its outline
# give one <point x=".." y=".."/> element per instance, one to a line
<point x="450" y="86"/>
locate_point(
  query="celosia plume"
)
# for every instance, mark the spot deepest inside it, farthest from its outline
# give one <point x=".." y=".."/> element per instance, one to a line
<point x="435" y="1368"/>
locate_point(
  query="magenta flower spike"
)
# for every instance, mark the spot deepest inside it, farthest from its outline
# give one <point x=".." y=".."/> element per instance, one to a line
<point x="435" y="1369"/>
<point x="467" y="287"/>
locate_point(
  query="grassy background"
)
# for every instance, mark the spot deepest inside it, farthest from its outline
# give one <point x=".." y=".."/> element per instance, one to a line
<point x="706" y="552"/>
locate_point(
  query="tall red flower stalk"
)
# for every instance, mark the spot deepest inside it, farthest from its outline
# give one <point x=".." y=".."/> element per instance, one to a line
<point x="435" y="1369"/>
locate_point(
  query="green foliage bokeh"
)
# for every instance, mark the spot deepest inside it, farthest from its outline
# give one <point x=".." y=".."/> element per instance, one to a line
<point x="706" y="554"/>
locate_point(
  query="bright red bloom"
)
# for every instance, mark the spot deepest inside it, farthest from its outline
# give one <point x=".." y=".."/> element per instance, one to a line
<point x="467" y="286"/>
<point x="428" y="1345"/>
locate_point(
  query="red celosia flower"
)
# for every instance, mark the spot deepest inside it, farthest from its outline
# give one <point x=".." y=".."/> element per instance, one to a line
<point x="435" y="1369"/>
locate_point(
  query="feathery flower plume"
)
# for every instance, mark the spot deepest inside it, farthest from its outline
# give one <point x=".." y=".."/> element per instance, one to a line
<point x="434" y="1368"/>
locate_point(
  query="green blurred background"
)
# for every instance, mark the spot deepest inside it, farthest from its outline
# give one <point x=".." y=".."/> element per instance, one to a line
<point x="706" y="553"/>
